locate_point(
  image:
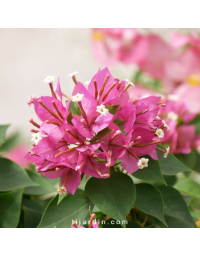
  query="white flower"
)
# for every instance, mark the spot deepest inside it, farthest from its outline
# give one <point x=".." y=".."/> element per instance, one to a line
<point x="173" y="116"/>
<point x="102" y="110"/>
<point x="165" y="125"/>
<point x="49" y="79"/>
<point x="173" y="97"/>
<point x="160" y="133"/>
<point x="143" y="162"/>
<point x="36" y="138"/>
<point x="128" y="82"/>
<point x="72" y="74"/>
<point x="77" y="97"/>
<point x="62" y="191"/>
<point x="166" y="154"/>
<point x="87" y="83"/>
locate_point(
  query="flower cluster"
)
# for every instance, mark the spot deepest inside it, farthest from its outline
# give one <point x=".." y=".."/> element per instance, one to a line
<point x="180" y="135"/>
<point x="97" y="128"/>
<point x="176" y="64"/>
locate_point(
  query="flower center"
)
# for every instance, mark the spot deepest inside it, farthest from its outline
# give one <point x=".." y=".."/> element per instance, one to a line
<point x="194" y="80"/>
<point x="97" y="36"/>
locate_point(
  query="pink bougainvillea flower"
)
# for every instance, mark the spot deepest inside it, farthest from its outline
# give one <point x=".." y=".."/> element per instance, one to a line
<point x="142" y="142"/>
<point x="128" y="115"/>
<point x="97" y="127"/>
<point x="70" y="179"/>
<point x="179" y="135"/>
<point x="117" y="44"/>
<point x="155" y="55"/>
<point x="182" y="75"/>
<point x="178" y="69"/>
<point x="181" y="140"/>
<point x="141" y="91"/>
<point x="180" y="40"/>
<point x="87" y="164"/>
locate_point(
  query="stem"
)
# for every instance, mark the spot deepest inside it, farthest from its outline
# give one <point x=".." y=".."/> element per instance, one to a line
<point x="145" y="220"/>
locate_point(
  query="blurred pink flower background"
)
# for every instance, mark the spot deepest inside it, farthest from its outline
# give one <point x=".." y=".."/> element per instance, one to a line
<point x="174" y="64"/>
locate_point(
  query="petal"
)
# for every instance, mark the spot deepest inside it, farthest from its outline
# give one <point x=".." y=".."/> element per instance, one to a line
<point x="73" y="180"/>
<point x="129" y="163"/>
<point x="58" y="90"/>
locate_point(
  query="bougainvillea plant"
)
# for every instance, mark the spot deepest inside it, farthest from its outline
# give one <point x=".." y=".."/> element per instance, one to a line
<point x="99" y="153"/>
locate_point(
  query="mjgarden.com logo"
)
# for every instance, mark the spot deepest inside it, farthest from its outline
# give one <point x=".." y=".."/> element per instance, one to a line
<point x="80" y="222"/>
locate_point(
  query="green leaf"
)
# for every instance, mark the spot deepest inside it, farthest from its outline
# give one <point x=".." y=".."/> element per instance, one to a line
<point x="74" y="108"/>
<point x="119" y="122"/>
<point x="149" y="200"/>
<point x="44" y="187"/>
<point x="175" y="223"/>
<point x="101" y="135"/>
<point x="187" y="199"/>
<point x="188" y="159"/>
<point x="112" y="109"/>
<point x="12" y="141"/>
<point x="196" y="123"/>
<point x="174" y="205"/>
<point x="197" y="164"/>
<point x="13" y="176"/>
<point x="114" y="196"/>
<point x="31" y="218"/>
<point x="33" y="204"/>
<point x="171" y="165"/>
<point x="3" y="129"/>
<point x="10" y="208"/>
<point x="189" y="187"/>
<point x="196" y="215"/>
<point x="147" y="81"/>
<point x="71" y="208"/>
<point x="152" y="173"/>
<point x="69" y="118"/>
<point x="170" y="180"/>
<point x="194" y="205"/>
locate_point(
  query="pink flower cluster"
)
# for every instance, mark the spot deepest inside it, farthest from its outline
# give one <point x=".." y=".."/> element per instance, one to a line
<point x="180" y="135"/>
<point x="176" y="64"/>
<point x="97" y="127"/>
